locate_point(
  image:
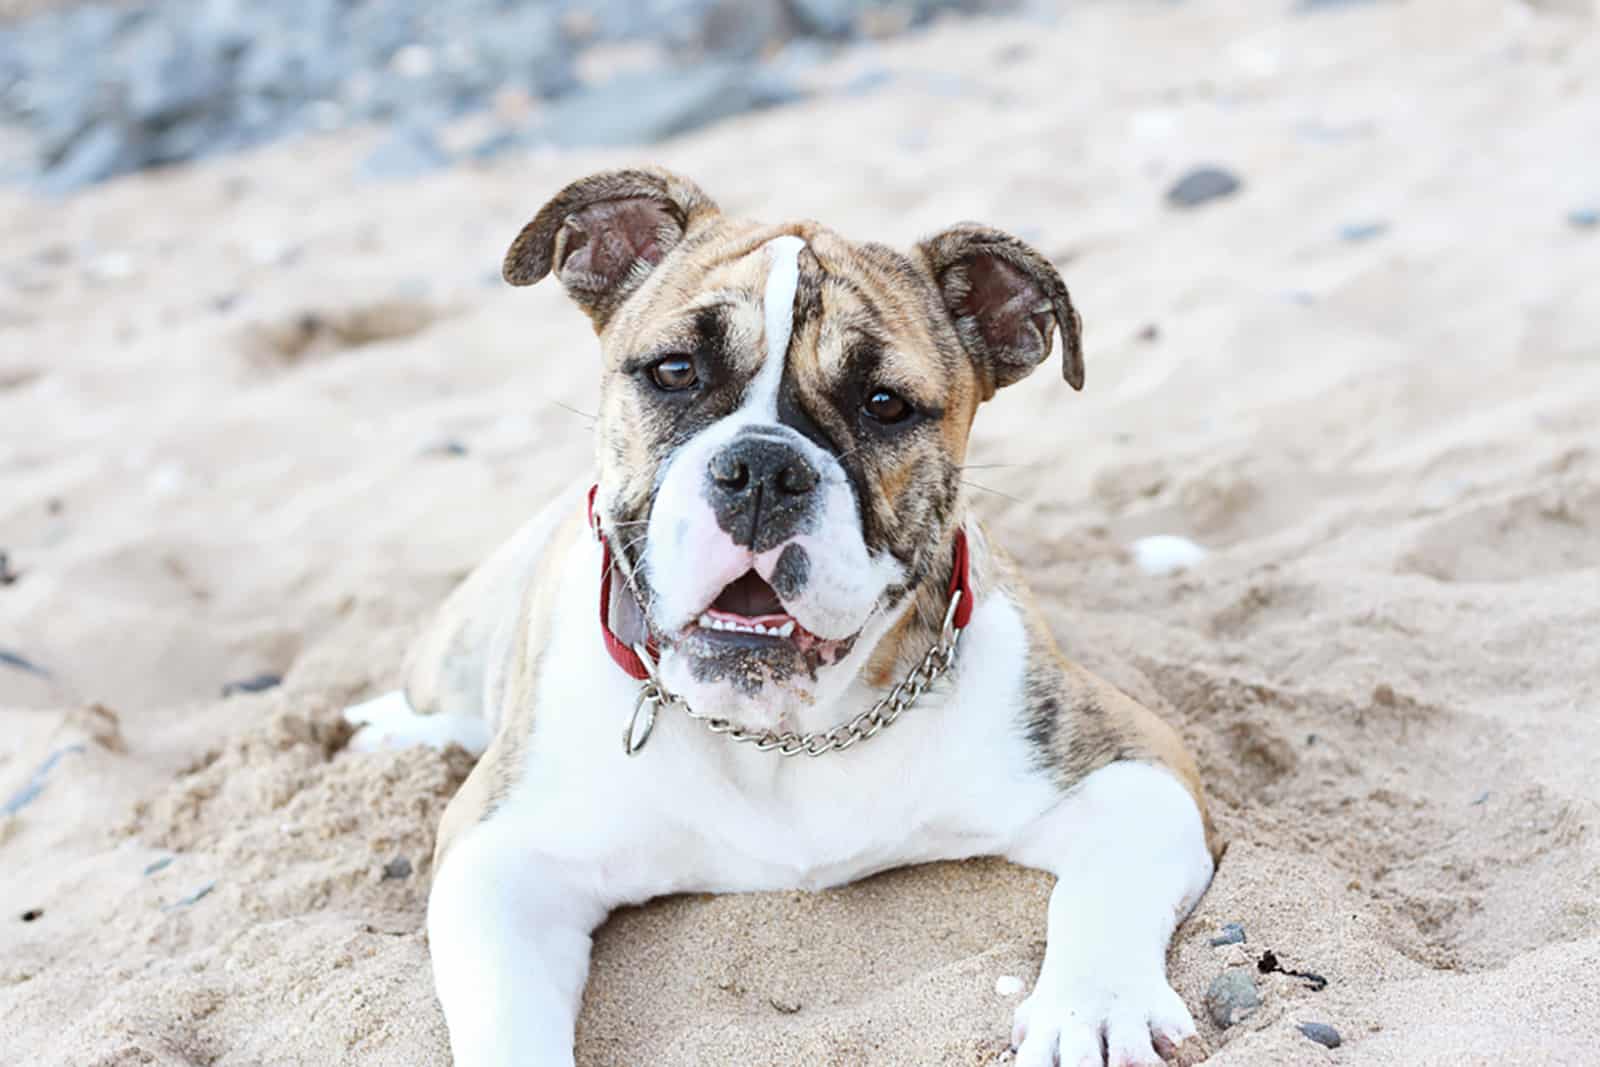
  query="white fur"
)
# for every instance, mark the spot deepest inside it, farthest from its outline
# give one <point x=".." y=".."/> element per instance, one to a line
<point x="588" y="829"/>
<point x="389" y="722"/>
<point x="777" y="306"/>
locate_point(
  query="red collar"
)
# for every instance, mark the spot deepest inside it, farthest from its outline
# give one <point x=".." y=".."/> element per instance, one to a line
<point x="628" y="659"/>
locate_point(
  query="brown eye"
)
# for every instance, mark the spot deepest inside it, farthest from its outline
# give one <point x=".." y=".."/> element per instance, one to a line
<point x="887" y="407"/>
<point x="673" y="374"/>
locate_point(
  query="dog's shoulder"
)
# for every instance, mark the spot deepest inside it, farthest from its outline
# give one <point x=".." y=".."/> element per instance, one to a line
<point x="1076" y="722"/>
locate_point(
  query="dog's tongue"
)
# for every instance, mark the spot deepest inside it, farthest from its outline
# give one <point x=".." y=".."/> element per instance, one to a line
<point x="749" y="596"/>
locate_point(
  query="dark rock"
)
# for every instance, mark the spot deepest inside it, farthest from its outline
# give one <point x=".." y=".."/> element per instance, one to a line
<point x="648" y="106"/>
<point x="1201" y="186"/>
<point x="30" y="790"/>
<point x="1230" y="934"/>
<point x="1232" y="997"/>
<point x="259" y="683"/>
<point x="1584" y="218"/>
<point x="397" y="868"/>
<point x="409" y="152"/>
<point x="192" y="899"/>
<point x="8" y="576"/>
<point x="33" y="915"/>
<point x="22" y="663"/>
<point x="1322" y="1034"/>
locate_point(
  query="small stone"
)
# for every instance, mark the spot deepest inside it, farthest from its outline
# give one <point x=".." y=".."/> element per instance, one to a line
<point x="157" y="866"/>
<point x="784" y="1007"/>
<point x="396" y="869"/>
<point x="1230" y="934"/>
<point x="1201" y="186"/>
<point x="1232" y="997"/>
<point x="7" y="575"/>
<point x="1322" y="1034"/>
<point x="259" y="683"/>
<point x="1149" y="333"/>
<point x="33" y="915"/>
<point x="1008" y="985"/>
<point x="1584" y="218"/>
<point x="1356" y="232"/>
<point x="449" y="447"/>
<point x="22" y="663"/>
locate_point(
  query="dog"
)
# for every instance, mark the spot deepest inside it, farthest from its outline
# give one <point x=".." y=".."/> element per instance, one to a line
<point x="769" y="647"/>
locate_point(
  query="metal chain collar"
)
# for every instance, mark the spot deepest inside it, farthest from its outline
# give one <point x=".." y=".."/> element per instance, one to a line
<point x="653" y="696"/>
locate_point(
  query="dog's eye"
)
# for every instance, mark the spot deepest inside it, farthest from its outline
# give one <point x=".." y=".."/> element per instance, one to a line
<point x="674" y="373"/>
<point x="886" y="407"/>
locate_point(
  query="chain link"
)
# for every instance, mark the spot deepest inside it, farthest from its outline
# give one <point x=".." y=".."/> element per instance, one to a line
<point x="881" y="715"/>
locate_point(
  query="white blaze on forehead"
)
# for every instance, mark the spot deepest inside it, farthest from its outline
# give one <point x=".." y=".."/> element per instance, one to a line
<point x="783" y="278"/>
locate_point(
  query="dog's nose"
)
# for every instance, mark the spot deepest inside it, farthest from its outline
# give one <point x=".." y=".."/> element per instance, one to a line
<point x="762" y="490"/>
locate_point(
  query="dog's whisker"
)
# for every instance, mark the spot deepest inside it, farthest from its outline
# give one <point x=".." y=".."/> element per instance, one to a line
<point x="996" y="492"/>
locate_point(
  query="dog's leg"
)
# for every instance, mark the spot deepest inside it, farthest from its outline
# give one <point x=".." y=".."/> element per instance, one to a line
<point x="509" y="932"/>
<point x="1129" y="855"/>
<point x="390" y="722"/>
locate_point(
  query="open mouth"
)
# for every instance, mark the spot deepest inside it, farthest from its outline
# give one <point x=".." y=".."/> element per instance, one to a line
<point x="748" y="606"/>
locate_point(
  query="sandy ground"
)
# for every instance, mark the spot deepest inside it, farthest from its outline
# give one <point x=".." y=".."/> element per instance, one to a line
<point x="224" y="392"/>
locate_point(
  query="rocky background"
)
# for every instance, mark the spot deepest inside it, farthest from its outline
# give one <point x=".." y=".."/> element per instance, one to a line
<point x="94" y="91"/>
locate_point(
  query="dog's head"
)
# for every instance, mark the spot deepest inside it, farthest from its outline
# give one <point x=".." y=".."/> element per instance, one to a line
<point x="783" y="419"/>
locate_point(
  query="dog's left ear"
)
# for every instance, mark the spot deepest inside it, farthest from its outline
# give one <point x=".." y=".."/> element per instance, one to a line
<point x="604" y="234"/>
<point x="1005" y="300"/>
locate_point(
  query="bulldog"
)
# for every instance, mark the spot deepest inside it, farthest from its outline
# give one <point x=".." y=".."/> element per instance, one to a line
<point x="770" y="648"/>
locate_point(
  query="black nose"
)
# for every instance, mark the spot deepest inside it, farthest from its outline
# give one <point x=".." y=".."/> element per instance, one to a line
<point x="762" y="490"/>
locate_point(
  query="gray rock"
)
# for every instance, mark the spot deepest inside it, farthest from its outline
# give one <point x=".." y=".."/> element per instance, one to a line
<point x="1356" y="232"/>
<point x="397" y="868"/>
<point x="1201" y="186"/>
<point x="1322" y="1034"/>
<point x="104" y="150"/>
<point x="1232" y="997"/>
<point x="409" y="152"/>
<point x="1230" y="934"/>
<point x="259" y="683"/>
<point x="649" y="106"/>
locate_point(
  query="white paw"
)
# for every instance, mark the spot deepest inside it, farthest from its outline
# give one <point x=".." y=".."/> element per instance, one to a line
<point x="388" y="722"/>
<point x="1105" y="1021"/>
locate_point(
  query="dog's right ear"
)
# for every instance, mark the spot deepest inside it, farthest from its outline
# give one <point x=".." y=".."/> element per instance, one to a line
<point x="603" y="234"/>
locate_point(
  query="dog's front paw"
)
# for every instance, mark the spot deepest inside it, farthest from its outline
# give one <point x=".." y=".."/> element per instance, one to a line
<point x="1102" y="1021"/>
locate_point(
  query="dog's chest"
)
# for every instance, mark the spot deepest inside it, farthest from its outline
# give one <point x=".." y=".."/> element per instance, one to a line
<point x="695" y="811"/>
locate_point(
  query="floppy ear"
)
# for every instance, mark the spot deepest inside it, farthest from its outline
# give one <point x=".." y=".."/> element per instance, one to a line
<point x="1005" y="300"/>
<point x="603" y="234"/>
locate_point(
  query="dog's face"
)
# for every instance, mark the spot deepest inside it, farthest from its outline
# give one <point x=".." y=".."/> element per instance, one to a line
<point x="783" y="419"/>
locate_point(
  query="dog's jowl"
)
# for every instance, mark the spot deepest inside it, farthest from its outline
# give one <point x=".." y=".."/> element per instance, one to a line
<point x="763" y="645"/>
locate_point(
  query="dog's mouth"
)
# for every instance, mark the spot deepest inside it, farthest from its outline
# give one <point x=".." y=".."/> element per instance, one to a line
<point x="748" y="615"/>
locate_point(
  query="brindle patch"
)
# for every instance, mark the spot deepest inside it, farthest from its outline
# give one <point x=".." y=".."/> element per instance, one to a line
<point x="791" y="572"/>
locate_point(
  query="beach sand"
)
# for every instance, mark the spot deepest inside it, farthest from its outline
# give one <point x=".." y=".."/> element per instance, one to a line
<point x="232" y="398"/>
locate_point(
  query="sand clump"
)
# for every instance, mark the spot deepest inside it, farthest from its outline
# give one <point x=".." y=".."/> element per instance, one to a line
<point x="222" y="463"/>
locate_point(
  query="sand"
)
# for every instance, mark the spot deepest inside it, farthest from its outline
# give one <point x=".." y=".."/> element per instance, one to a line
<point x="227" y="392"/>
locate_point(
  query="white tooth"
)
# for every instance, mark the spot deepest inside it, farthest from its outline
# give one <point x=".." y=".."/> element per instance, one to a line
<point x="786" y="629"/>
<point x="707" y="622"/>
<point x="762" y="630"/>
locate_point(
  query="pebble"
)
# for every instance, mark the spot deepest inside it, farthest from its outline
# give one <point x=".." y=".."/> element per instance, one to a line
<point x="259" y="683"/>
<point x="1322" y="1034"/>
<point x="7" y="574"/>
<point x="193" y="898"/>
<point x="157" y="866"/>
<point x="1230" y="934"/>
<point x="397" y="868"/>
<point x="1232" y="997"/>
<point x="1584" y="218"/>
<point x="30" y="790"/>
<point x="1356" y="232"/>
<point x="1203" y="185"/>
<point x="1008" y="985"/>
<point x="1164" y="554"/>
<point x="22" y="663"/>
